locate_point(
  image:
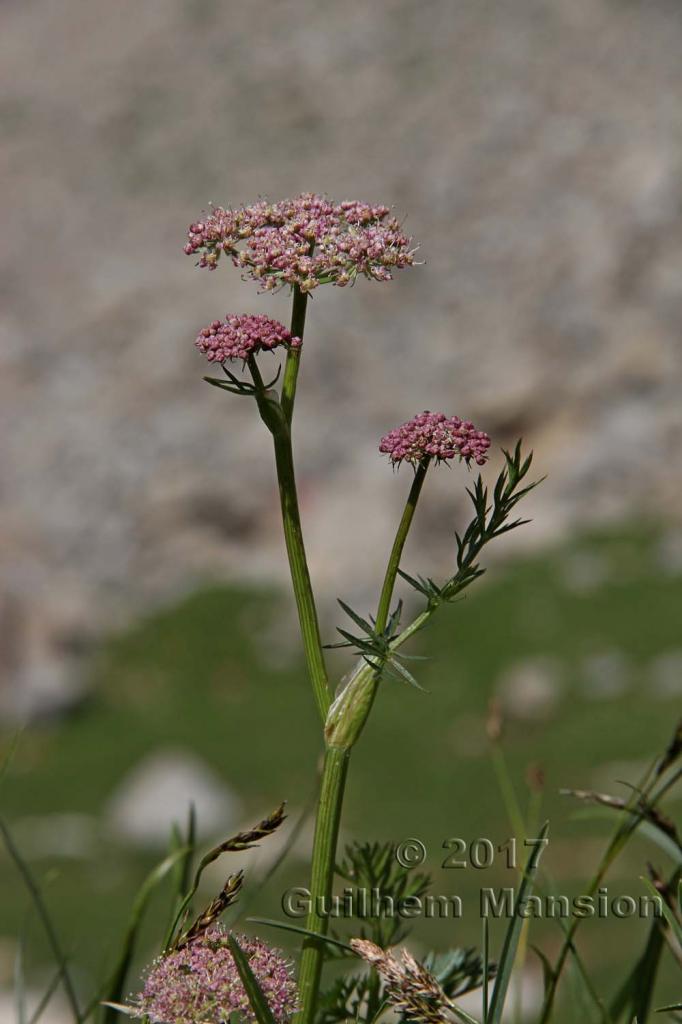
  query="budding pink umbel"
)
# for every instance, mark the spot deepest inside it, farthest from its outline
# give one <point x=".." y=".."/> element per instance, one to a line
<point x="200" y="984"/>
<point x="238" y="337"/>
<point x="306" y="241"/>
<point x="435" y="435"/>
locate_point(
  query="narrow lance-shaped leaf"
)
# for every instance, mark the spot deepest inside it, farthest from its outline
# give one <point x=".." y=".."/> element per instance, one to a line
<point x="45" y="919"/>
<point x="256" y="997"/>
<point x="119" y="975"/>
<point x="513" y="934"/>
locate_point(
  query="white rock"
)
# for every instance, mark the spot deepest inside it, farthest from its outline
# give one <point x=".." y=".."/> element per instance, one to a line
<point x="531" y="689"/>
<point x="56" y="1012"/>
<point x="666" y="674"/>
<point x="605" y="675"/>
<point x="159" y="791"/>
<point x="582" y="572"/>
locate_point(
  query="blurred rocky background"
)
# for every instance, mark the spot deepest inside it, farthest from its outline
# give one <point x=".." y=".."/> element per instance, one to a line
<point x="535" y="149"/>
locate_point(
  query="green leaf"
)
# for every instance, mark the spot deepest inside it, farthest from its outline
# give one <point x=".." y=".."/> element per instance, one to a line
<point x="259" y="1003"/>
<point x="513" y="934"/>
<point x="116" y="986"/>
<point x="285" y="927"/>
<point x="674" y="924"/>
<point x="357" y="619"/>
<point x="636" y="993"/>
<point x="547" y="971"/>
<point x="486" y="969"/>
<point x="45" y="998"/>
<point x="45" y="919"/>
<point x="20" y="983"/>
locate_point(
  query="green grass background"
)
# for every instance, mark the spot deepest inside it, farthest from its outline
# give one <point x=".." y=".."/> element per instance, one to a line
<point x="195" y="676"/>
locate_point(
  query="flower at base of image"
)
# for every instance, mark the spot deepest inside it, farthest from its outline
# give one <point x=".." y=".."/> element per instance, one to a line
<point x="200" y="984"/>
<point x="304" y="241"/>
<point x="435" y="435"/>
<point x="238" y="337"/>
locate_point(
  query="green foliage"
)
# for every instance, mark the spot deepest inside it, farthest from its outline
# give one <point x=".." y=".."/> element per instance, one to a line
<point x="142" y="701"/>
<point x="489" y="521"/>
<point x="374" y="646"/>
<point x="259" y="1003"/>
<point x="373" y="867"/>
<point x="513" y="933"/>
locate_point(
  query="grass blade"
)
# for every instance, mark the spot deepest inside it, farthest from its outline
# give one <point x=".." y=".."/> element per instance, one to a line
<point x="286" y="927"/>
<point x="45" y="999"/>
<point x="20" y="983"/>
<point x="486" y="969"/>
<point x="45" y="919"/>
<point x="259" y="1003"/>
<point x="513" y="934"/>
<point x="673" y="923"/>
<point x="636" y="994"/>
<point x="463" y="1015"/>
<point x="116" y="986"/>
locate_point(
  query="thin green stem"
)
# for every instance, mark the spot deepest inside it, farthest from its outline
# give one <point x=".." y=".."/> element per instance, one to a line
<point x="298" y="565"/>
<point x="290" y="378"/>
<point x="618" y="841"/>
<point x="351" y="709"/>
<point x="398" y="545"/>
<point x="46" y="921"/>
<point x="273" y="415"/>
<point x="322" y="877"/>
<point x="333" y="781"/>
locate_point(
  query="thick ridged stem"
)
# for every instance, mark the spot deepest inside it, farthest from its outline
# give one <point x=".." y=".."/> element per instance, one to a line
<point x="322" y="877"/>
<point x="300" y="578"/>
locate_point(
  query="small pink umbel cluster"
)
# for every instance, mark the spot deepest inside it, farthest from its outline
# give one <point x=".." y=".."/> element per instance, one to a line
<point x="435" y="435"/>
<point x="200" y="984"/>
<point x="304" y="241"/>
<point x="238" y="337"/>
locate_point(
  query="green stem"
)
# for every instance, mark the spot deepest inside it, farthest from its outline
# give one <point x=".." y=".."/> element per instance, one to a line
<point x="618" y="841"/>
<point x="322" y="877"/>
<point x="334" y="776"/>
<point x="350" y="709"/>
<point x="290" y="378"/>
<point x="398" y="545"/>
<point x="298" y="565"/>
<point x="276" y="414"/>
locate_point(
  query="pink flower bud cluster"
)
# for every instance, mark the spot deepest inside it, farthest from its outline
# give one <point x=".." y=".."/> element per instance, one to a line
<point x="436" y="435"/>
<point x="305" y="241"/>
<point x="238" y="337"/>
<point x="200" y="984"/>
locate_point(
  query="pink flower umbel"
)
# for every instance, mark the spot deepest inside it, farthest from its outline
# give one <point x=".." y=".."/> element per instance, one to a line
<point x="435" y="435"/>
<point x="305" y="241"/>
<point x="238" y="337"/>
<point x="199" y="984"/>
